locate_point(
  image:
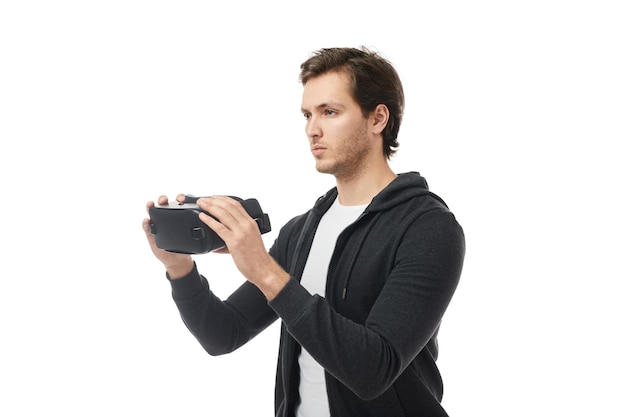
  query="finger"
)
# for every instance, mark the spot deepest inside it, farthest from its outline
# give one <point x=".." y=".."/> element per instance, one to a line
<point x="224" y="208"/>
<point x="216" y="225"/>
<point x="146" y="228"/>
<point x="221" y="217"/>
<point x="163" y="200"/>
<point x="151" y="240"/>
<point x="239" y="213"/>
<point x="180" y="198"/>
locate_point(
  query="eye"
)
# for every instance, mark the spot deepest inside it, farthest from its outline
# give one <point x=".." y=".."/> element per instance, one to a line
<point x="307" y="116"/>
<point x="330" y="112"/>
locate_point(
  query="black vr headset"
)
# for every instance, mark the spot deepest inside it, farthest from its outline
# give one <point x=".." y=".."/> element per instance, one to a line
<point x="177" y="226"/>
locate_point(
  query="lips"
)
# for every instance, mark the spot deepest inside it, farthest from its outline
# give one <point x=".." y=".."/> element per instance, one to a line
<point x="317" y="150"/>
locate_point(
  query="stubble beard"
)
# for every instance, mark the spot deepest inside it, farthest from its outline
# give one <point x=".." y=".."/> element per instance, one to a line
<point x="351" y="159"/>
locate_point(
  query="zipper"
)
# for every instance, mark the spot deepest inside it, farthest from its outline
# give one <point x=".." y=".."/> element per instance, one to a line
<point x="333" y="258"/>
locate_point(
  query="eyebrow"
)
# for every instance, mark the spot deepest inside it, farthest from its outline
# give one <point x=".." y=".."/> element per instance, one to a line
<point x="330" y="103"/>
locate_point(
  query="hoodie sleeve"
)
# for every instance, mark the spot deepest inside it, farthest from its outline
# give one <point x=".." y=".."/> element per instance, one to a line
<point x="220" y="326"/>
<point x="368" y="357"/>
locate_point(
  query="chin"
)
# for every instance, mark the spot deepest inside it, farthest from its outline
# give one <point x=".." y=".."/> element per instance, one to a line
<point x="324" y="168"/>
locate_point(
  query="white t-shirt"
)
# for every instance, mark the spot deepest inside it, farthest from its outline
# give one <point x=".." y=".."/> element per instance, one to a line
<point x="313" y="396"/>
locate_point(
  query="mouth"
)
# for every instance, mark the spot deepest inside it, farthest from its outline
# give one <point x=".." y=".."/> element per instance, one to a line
<point x="317" y="150"/>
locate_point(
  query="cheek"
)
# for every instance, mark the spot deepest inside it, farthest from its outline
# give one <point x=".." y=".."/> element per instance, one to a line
<point x="339" y="130"/>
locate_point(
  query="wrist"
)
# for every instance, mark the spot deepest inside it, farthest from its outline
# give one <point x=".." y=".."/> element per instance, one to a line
<point x="274" y="282"/>
<point x="180" y="269"/>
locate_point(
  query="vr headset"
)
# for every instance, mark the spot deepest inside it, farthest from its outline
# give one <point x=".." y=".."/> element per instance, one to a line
<point x="177" y="226"/>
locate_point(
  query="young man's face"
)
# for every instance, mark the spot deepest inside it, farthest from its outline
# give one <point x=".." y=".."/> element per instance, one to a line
<point x="338" y="133"/>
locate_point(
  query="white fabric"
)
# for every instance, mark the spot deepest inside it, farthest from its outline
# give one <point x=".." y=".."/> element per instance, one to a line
<point x="313" y="397"/>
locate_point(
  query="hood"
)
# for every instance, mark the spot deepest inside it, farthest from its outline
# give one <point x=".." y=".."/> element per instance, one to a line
<point x="404" y="187"/>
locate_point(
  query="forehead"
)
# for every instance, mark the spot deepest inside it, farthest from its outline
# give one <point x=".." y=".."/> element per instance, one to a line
<point x="326" y="88"/>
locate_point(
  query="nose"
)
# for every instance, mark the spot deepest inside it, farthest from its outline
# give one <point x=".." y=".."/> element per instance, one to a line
<point x="312" y="128"/>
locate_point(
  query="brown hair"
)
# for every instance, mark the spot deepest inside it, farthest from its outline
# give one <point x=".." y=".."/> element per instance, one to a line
<point x="374" y="81"/>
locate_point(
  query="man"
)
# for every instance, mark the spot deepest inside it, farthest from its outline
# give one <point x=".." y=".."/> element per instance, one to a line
<point x="360" y="282"/>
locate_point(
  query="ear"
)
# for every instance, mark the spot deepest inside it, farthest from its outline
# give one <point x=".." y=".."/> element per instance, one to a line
<point x="379" y="118"/>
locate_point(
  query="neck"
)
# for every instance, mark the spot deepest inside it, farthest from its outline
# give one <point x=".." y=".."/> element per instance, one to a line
<point x="364" y="186"/>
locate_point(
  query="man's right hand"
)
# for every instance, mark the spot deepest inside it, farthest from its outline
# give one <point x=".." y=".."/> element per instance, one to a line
<point x="177" y="265"/>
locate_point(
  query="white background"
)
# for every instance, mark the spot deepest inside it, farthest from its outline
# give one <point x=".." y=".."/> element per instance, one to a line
<point x="515" y="113"/>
